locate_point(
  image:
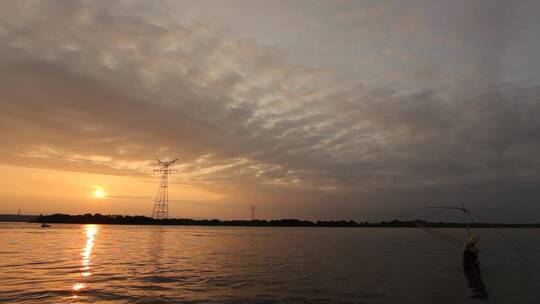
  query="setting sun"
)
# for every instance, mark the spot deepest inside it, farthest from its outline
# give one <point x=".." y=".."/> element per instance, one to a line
<point x="99" y="193"/>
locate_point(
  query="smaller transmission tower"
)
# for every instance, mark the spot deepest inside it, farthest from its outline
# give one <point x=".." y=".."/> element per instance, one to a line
<point x="161" y="203"/>
<point x="252" y="207"/>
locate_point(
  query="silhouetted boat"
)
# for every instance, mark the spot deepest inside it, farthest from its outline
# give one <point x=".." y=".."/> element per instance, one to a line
<point x="45" y="225"/>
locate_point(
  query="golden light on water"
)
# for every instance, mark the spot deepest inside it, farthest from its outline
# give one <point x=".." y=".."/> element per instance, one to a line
<point x="91" y="231"/>
<point x="78" y="286"/>
<point x="86" y="254"/>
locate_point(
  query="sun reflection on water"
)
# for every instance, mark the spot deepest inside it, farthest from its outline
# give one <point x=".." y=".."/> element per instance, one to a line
<point x="86" y="254"/>
<point x="91" y="231"/>
<point x="78" y="286"/>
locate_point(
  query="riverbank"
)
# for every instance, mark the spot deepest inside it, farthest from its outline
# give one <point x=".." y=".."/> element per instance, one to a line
<point x="17" y="218"/>
<point x="143" y="220"/>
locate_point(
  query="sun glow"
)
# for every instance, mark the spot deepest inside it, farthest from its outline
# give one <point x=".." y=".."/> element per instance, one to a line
<point x="99" y="193"/>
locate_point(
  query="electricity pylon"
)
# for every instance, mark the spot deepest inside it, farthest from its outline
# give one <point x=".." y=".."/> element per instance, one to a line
<point x="161" y="203"/>
<point x="252" y="207"/>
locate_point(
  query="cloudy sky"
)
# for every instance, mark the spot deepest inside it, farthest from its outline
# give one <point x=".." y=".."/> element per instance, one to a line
<point x="358" y="110"/>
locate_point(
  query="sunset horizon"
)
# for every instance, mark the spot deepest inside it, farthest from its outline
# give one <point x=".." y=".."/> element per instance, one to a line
<point x="403" y="121"/>
<point x="148" y="148"/>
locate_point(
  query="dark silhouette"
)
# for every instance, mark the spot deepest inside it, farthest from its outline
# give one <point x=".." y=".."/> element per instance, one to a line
<point x="471" y="268"/>
<point x="143" y="220"/>
<point x="17" y="218"/>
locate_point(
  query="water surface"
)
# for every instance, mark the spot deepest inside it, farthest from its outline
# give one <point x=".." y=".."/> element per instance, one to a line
<point x="179" y="264"/>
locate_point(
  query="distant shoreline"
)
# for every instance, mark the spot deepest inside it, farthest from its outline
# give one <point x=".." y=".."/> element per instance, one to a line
<point x="143" y="220"/>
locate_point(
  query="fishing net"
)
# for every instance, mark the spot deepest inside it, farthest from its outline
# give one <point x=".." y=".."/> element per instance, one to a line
<point x="466" y="224"/>
<point x="470" y="223"/>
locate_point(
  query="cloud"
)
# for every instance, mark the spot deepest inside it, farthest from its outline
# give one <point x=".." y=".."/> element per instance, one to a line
<point x="108" y="87"/>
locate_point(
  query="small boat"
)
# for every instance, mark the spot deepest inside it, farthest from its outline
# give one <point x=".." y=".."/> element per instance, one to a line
<point x="45" y="225"/>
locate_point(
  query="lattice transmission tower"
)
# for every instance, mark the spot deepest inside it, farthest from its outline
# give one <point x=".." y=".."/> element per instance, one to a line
<point x="161" y="203"/>
<point x="252" y="208"/>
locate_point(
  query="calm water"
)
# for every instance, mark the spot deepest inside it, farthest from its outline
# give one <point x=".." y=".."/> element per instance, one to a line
<point x="145" y="264"/>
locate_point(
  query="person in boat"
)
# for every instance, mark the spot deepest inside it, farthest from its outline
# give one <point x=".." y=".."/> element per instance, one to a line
<point x="471" y="268"/>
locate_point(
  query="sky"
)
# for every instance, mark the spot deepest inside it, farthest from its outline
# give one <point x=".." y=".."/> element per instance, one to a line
<point x="360" y="110"/>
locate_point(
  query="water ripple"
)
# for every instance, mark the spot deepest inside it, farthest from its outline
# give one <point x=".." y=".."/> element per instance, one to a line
<point x="143" y="264"/>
